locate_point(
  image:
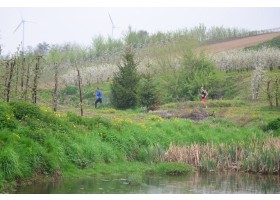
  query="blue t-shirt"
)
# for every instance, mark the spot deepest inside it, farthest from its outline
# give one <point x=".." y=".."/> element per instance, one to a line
<point x="98" y="94"/>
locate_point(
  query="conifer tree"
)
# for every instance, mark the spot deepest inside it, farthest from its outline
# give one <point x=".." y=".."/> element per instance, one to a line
<point x="125" y="82"/>
<point x="148" y="93"/>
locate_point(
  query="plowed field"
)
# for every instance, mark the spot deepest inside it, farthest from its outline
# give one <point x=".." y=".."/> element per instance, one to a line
<point x="240" y="43"/>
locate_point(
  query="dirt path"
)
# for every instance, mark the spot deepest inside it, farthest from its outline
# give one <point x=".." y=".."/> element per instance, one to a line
<point x="240" y="43"/>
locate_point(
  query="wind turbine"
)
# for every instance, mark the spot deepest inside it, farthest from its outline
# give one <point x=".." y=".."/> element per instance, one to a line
<point x="22" y="22"/>
<point x="113" y="25"/>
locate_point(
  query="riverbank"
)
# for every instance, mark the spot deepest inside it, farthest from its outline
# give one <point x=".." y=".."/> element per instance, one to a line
<point x="36" y="141"/>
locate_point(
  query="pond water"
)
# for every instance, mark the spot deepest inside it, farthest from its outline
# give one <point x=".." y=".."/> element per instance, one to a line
<point x="197" y="183"/>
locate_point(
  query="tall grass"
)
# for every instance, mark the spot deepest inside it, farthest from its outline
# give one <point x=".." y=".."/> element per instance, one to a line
<point x="40" y="142"/>
<point x="9" y="163"/>
<point x="258" y="156"/>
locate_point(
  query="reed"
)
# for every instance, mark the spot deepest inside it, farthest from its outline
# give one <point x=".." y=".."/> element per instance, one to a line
<point x="259" y="157"/>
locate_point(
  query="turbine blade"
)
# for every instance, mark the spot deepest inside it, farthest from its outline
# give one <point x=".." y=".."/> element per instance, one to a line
<point x="111" y="20"/>
<point x="18" y="27"/>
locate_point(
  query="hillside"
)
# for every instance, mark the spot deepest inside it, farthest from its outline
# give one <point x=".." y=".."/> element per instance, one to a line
<point x="231" y="133"/>
<point x="240" y="43"/>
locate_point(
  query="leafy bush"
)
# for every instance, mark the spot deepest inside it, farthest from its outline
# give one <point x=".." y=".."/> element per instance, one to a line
<point x="274" y="125"/>
<point x="7" y="119"/>
<point x="88" y="95"/>
<point x="148" y="93"/>
<point x="23" y="110"/>
<point x="69" y="90"/>
<point x="197" y="71"/>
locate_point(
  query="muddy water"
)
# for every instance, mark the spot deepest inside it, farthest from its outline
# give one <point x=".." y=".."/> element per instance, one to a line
<point x="198" y="183"/>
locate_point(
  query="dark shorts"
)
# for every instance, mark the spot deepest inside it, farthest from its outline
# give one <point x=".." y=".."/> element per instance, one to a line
<point x="97" y="100"/>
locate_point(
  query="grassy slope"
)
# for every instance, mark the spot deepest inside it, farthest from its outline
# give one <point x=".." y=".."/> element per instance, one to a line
<point x="51" y="144"/>
<point x="39" y="141"/>
<point x="238" y="85"/>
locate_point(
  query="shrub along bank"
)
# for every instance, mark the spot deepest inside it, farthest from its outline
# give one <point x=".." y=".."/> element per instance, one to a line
<point x="36" y="141"/>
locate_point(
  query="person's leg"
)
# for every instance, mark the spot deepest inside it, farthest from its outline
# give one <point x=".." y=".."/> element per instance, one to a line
<point x="204" y="102"/>
<point x="95" y="103"/>
<point x="98" y="100"/>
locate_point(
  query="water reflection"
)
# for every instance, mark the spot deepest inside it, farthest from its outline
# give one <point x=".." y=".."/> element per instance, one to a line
<point x="197" y="183"/>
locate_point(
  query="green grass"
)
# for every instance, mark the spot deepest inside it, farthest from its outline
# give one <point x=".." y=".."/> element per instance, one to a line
<point x="34" y="140"/>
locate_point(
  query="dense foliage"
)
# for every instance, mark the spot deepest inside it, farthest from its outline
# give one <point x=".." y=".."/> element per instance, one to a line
<point x="274" y="125"/>
<point x="125" y="82"/>
<point x="148" y="93"/>
<point x="197" y="72"/>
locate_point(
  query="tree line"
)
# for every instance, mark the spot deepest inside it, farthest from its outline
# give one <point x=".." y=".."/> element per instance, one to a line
<point x="179" y="71"/>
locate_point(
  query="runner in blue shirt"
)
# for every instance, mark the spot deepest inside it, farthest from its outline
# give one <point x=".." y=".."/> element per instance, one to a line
<point x="99" y="96"/>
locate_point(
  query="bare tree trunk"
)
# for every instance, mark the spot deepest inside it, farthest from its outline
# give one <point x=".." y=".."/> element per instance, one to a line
<point x="35" y="82"/>
<point x="9" y="80"/>
<point x="268" y="92"/>
<point x="26" y="83"/>
<point x="16" y="83"/>
<point x="22" y="78"/>
<point x="55" y="95"/>
<point x="276" y="92"/>
<point x="6" y="78"/>
<point x="80" y="91"/>
<point x="257" y="92"/>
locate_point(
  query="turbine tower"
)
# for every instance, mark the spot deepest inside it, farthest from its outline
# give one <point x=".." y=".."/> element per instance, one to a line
<point x="22" y="22"/>
<point x="113" y="25"/>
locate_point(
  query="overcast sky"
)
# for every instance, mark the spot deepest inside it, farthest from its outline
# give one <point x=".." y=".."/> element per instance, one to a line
<point x="57" y="25"/>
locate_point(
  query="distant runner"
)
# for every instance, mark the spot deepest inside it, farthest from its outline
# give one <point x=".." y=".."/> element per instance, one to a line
<point x="203" y="96"/>
<point x="98" y="96"/>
